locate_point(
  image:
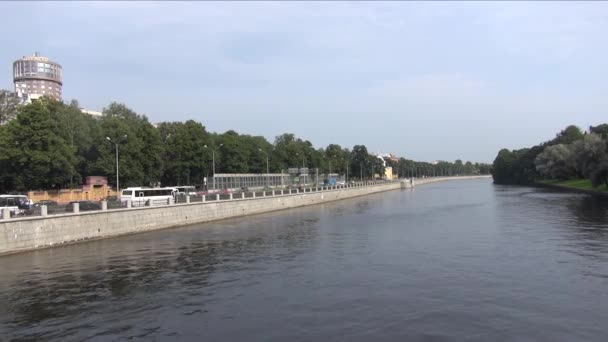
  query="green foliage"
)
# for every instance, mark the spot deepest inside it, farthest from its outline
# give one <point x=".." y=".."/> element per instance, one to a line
<point x="184" y="156"/>
<point x="516" y="167"/>
<point x="139" y="153"/>
<point x="592" y="159"/>
<point x="34" y="154"/>
<point x="569" y="135"/>
<point x="570" y="155"/>
<point x="336" y="157"/>
<point x="51" y="145"/>
<point x="601" y="130"/>
<point x="9" y="106"/>
<point x="556" y="162"/>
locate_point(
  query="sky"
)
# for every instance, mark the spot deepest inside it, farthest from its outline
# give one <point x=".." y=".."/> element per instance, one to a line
<point x="422" y="80"/>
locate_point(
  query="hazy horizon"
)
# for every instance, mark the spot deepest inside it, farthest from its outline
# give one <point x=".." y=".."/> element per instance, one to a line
<point x="426" y="81"/>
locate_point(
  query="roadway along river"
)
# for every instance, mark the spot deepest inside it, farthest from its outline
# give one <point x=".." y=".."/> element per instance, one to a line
<point x="460" y="260"/>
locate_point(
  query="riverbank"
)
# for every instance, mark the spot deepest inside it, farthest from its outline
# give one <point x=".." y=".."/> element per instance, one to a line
<point x="575" y="185"/>
<point x="23" y="234"/>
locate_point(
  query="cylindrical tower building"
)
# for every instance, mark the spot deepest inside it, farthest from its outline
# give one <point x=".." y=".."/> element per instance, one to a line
<point x="37" y="76"/>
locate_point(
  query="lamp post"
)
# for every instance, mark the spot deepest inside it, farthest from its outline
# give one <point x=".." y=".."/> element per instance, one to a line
<point x="267" y="168"/>
<point x="116" y="146"/>
<point x="373" y="170"/>
<point x="213" y="157"/>
<point x="360" y="171"/>
<point x="329" y="163"/>
<point x="347" y="170"/>
<point x="297" y="154"/>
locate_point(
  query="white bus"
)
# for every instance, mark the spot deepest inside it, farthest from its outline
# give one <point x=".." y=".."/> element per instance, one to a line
<point x="147" y="196"/>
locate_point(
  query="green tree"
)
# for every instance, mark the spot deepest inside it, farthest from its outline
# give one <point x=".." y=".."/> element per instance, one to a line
<point x="34" y="154"/>
<point x="601" y="130"/>
<point x="79" y="131"/>
<point x="362" y="163"/>
<point x="568" y="135"/>
<point x="335" y="155"/>
<point x="140" y="153"/>
<point x="184" y="156"/>
<point x="592" y="159"/>
<point x="9" y="105"/>
<point x="233" y="155"/>
<point x="555" y="162"/>
<point x="294" y="152"/>
<point x="502" y="169"/>
<point x="469" y="169"/>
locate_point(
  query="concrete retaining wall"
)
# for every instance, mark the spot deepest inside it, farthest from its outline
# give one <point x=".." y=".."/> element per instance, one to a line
<point x="37" y="232"/>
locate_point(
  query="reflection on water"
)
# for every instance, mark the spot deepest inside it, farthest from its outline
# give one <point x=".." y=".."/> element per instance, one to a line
<point x="453" y="261"/>
<point x="591" y="210"/>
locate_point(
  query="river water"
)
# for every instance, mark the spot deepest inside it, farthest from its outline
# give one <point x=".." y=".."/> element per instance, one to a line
<point x="451" y="261"/>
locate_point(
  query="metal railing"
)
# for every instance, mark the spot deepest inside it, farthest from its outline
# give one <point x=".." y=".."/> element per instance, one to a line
<point x="227" y="181"/>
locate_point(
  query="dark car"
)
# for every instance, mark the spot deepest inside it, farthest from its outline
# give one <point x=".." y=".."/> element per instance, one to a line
<point x="84" y="206"/>
<point x="45" y="202"/>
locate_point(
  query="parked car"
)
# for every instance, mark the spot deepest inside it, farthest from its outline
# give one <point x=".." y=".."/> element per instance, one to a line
<point x="84" y="206"/>
<point x="44" y="202"/>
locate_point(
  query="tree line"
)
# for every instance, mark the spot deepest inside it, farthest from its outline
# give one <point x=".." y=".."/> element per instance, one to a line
<point x="572" y="154"/>
<point x="51" y="145"/>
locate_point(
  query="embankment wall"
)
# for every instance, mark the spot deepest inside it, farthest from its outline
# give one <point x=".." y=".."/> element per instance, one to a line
<point x="29" y="233"/>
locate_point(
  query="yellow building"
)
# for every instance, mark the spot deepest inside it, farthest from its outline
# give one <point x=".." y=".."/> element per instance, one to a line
<point x="388" y="173"/>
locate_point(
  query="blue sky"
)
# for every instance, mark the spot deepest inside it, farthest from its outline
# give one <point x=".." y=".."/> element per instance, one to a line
<point x="428" y="81"/>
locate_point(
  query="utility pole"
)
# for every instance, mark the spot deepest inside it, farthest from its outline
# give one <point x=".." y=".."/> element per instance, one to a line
<point x="267" y="168"/>
<point x="116" y="146"/>
<point x="347" y="171"/>
<point x="361" y="171"/>
<point x="213" y="157"/>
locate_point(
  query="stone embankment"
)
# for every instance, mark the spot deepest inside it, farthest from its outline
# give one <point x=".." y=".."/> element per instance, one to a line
<point x="22" y="234"/>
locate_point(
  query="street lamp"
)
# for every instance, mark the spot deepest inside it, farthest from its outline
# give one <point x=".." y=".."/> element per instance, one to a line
<point x="267" y="168"/>
<point x="213" y="156"/>
<point x="116" y="145"/>
<point x="373" y="170"/>
<point x="347" y="162"/>
<point x="297" y="154"/>
<point x="360" y="171"/>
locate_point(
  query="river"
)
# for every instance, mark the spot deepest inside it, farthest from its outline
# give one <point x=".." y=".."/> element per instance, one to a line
<point x="450" y="261"/>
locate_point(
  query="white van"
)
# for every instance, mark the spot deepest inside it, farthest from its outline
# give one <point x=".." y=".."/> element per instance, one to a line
<point x="17" y="204"/>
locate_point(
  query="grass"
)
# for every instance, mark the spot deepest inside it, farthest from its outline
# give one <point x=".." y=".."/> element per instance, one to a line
<point x="583" y="184"/>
